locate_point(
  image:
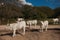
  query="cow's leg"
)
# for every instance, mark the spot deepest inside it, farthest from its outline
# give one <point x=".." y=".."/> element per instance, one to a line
<point x="35" y="26"/>
<point x="14" y="33"/>
<point x="23" y="30"/>
<point x="30" y="25"/>
<point x="45" y="28"/>
<point x="42" y="29"/>
<point x="54" y="22"/>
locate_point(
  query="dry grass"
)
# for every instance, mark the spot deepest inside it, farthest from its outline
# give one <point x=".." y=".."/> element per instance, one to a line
<point x="51" y="34"/>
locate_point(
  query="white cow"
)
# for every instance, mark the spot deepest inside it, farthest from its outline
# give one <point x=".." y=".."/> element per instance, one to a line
<point x="30" y="22"/>
<point x="20" y="19"/>
<point x="56" y="20"/>
<point x="16" y="26"/>
<point x="44" y="25"/>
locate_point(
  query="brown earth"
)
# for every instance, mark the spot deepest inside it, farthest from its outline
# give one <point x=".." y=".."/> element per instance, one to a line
<point x="53" y="33"/>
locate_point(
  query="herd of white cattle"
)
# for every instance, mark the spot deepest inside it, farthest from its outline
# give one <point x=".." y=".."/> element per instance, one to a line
<point x="22" y="24"/>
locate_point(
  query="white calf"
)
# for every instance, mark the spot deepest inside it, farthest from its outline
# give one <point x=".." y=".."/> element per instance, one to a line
<point x="30" y="22"/>
<point x="18" y="25"/>
<point x="44" y="25"/>
<point x="56" y="20"/>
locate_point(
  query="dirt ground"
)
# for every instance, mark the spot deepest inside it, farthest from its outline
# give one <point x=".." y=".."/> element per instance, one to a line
<point x="53" y="33"/>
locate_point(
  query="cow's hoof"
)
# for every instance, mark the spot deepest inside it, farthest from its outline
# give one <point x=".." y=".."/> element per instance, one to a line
<point x="13" y="36"/>
<point x="23" y="34"/>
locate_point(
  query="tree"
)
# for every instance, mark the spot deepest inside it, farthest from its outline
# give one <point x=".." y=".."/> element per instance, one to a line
<point x="10" y="11"/>
<point x="56" y="12"/>
<point x="46" y="10"/>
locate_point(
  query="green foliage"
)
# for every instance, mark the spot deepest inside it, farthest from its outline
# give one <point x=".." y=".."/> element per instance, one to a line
<point x="56" y="12"/>
<point x="10" y="12"/>
<point x="33" y="13"/>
